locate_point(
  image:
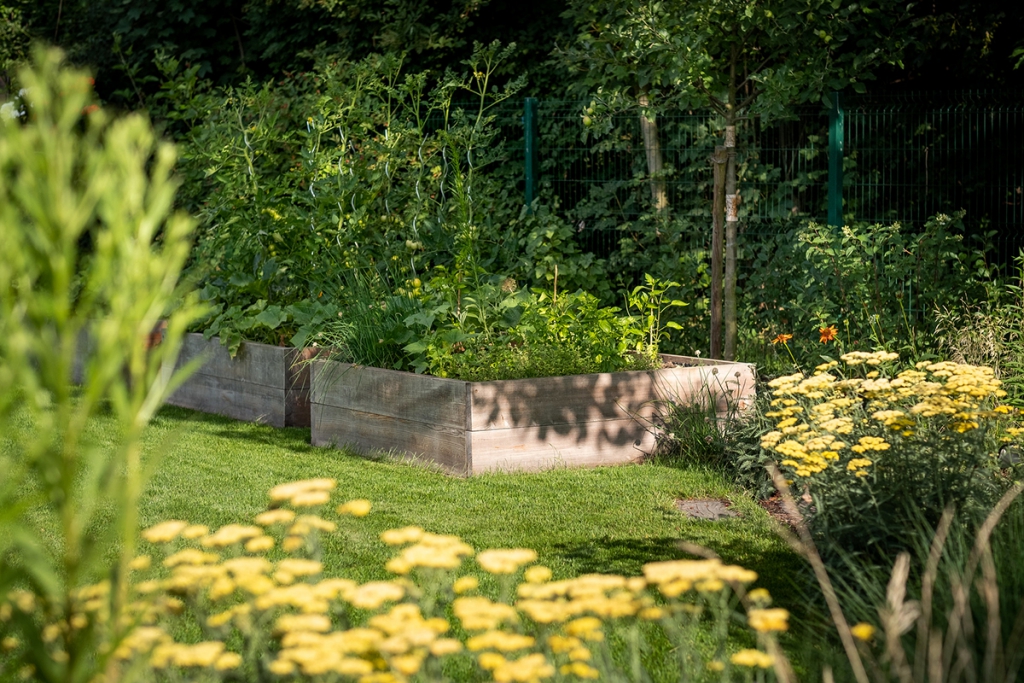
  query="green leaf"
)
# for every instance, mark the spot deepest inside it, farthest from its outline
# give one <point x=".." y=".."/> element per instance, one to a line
<point x="272" y="317"/>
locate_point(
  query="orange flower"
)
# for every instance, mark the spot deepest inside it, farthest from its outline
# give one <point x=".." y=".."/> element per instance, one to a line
<point x="827" y="333"/>
<point x="782" y="339"/>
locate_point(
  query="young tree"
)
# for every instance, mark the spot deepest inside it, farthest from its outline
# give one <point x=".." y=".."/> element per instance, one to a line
<point x="741" y="59"/>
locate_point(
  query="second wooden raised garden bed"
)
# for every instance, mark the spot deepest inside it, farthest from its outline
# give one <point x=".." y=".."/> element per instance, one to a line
<point x="527" y="424"/>
<point x="262" y="383"/>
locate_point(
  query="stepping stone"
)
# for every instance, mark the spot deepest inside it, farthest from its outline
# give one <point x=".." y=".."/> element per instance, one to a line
<point x="705" y="508"/>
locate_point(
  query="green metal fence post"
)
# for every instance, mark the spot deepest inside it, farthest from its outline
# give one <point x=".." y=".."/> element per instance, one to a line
<point x="835" y="161"/>
<point x="530" y="147"/>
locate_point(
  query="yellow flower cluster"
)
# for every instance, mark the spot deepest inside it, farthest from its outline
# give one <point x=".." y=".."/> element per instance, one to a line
<point x="480" y="614"/>
<point x="605" y="595"/>
<point x="305" y="493"/>
<point x="855" y="358"/>
<point x="433" y="551"/>
<point x="205" y="654"/>
<point x="675" y="577"/>
<point x="360" y="507"/>
<point x="287" y="601"/>
<point x="753" y="659"/>
<point x="499" y="640"/>
<point x="764" y="620"/>
<point x="505" y="561"/>
<point x="400" y="638"/>
<point x="525" y="669"/>
<point x="815" y="413"/>
<point x="870" y="443"/>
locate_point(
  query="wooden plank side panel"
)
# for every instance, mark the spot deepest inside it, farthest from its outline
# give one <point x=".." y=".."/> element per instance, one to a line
<point x="402" y="395"/>
<point x="254" y="363"/>
<point x="232" y="398"/>
<point x="609" y="396"/>
<point x="574" y="399"/>
<point x="532" y="448"/>
<point x="730" y="386"/>
<point x="365" y="432"/>
<point x="296" y="408"/>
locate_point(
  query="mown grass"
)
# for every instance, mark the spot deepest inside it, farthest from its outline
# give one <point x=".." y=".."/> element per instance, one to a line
<point x="611" y="519"/>
<point x="215" y="471"/>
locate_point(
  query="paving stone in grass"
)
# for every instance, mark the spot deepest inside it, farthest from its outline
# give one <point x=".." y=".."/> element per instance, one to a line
<point x="705" y="508"/>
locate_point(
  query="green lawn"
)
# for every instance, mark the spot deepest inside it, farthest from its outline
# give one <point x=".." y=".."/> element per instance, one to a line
<point x="611" y="519"/>
<point x="215" y="471"/>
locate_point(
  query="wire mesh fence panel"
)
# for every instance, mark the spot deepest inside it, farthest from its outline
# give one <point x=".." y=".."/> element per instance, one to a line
<point x="907" y="158"/>
<point x="913" y="156"/>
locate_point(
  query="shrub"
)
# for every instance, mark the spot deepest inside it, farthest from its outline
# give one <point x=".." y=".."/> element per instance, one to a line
<point x="875" y="450"/>
<point x="880" y="284"/>
<point x="356" y="165"/>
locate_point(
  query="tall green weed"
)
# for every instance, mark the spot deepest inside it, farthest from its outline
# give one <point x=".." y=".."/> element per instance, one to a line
<point x="92" y="253"/>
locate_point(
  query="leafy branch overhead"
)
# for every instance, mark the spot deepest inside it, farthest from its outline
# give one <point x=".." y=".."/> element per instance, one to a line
<point x="740" y="57"/>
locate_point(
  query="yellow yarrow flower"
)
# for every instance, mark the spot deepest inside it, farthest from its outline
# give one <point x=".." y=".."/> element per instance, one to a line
<point x="464" y="584"/>
<point x="360" y="507"/>
<point x="863" y="631"/>
<point x="164" y="532"/>
<point x="752" y="658"/>
<point x="765" y="620"/>
<point x="505" y="561"/>
<point x="537" y="574"/>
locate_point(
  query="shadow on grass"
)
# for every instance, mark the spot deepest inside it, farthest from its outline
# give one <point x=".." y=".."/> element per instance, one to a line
<point x="290" y="438"/>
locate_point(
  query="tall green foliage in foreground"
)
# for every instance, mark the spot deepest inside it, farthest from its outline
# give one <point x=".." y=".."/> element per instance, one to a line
<point x="89" y="253"/>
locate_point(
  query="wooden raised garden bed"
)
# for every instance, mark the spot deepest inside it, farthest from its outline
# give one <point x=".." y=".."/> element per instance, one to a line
<point x="527" y="424"/>
<point x="262" y="383"/>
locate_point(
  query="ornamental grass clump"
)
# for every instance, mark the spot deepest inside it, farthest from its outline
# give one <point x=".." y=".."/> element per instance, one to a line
<point x="878" y="446"/>
<point x="204" y="604"/>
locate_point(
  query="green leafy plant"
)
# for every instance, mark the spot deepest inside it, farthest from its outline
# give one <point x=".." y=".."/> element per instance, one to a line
<point x="879" y="284"/>
<point x="356" y="165"/>
<point x="649" y="302"/>
<point x="988" y="332"/>
<point x="92" y="255"/>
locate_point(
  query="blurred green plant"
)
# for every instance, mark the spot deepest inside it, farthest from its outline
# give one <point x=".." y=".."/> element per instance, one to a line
<point x="72" y="177"/>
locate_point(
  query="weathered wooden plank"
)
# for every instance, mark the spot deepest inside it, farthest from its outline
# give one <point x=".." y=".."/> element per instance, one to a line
<point x="232" y="398"/>
<point x="366" y="432"/>
<point x="589" y="444"/>
<point x="254" y="363"/>
<point x="731" y="386"/>
<point x="405" y="395"/>
<point x="467" y="427"/>
<point x="609" y="396"/>
<point x="559" y="400"/>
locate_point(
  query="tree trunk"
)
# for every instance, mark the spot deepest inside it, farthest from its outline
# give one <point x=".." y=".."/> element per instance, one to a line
<point x="732" y="219"/>
<point x="718" y="162"/>
<point x="655" y="164"/>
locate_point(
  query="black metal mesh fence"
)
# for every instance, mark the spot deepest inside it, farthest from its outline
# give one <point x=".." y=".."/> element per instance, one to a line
<point x="907" y="157"/>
